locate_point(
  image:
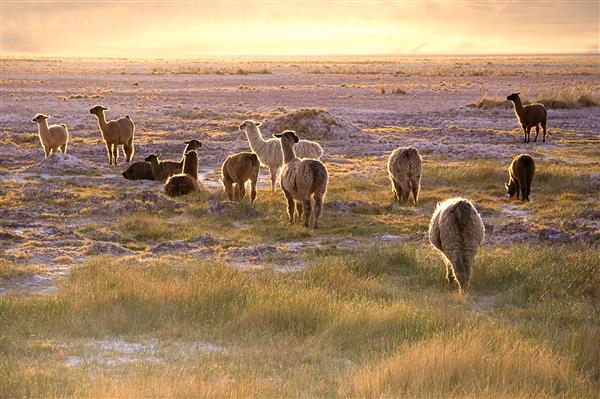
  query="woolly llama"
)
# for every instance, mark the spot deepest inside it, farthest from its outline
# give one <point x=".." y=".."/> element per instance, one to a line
<point x="52" y="137"/>
<point x="269" y="151"/>
<point x="457" y="231"/>
<point x="237" y="170"/>
<point x="532" y="115"/>
<point x="404" y="168"/>
<point x="302" y="180"/>
<point x="186" y="182"/>
<point x="115" y="133"/>
<point x="520" y="175"/>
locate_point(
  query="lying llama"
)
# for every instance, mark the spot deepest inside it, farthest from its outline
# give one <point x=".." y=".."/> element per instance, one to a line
<point x="162" y="170"/>
<point x="52" y="137"/>
<point x="176" y="166"/>
<point x="457" y="231"/>
<point x="269" y="151"/>
<point x="186" y="182"/>
<point x="115" y="133"/>
<point x="532" y="115"/>
<point x="140" y="170"/>
<point x="520" y="175"/>
<point x="238" y="169"/>
<point x="404" y="169"/>
<point x="301" y="180"/>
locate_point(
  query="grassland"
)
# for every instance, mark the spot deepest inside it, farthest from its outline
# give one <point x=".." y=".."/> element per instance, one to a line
<point x="372" y="320"/>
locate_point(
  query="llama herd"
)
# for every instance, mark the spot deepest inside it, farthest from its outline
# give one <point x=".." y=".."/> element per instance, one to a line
<point x="456" y="228"/>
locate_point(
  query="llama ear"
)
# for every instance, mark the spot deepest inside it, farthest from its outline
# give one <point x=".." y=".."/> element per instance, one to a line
<point x="517" y="93"/>
<point x="257" y="123"/>
<point x="296" y="139"/>
<point x="278" y="135"/>
<point x="187" y="142"/>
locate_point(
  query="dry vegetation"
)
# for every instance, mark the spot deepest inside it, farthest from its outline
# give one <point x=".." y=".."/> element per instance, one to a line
<point x="193" y="297"/>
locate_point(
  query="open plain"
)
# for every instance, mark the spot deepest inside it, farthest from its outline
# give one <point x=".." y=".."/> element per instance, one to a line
<point x="110" y="288"/>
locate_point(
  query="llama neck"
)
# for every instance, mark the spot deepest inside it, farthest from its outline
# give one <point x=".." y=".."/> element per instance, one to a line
<point x="43" y="127"/>
<point x="518" y="105"/>
<point x="288" y="152"/>
<point x="102" y="122"/>
<point x="190" y="167"/>
<point x="155" y="167"/>
<point x="255" y="139"/>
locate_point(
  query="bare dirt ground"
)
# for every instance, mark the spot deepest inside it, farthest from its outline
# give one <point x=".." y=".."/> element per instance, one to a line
<point x="58" y="212"/>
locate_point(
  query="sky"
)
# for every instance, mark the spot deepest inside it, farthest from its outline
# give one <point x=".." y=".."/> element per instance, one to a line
<point x="184" y="29"/>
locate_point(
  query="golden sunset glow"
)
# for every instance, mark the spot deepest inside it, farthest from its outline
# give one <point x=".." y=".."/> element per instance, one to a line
<point x="196" y="28"/>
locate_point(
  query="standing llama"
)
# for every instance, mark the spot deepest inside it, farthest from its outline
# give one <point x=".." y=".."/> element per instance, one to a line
<point x="52" y="137"/>
<point x="532" y="115"/>
<point x="404" y="169"/>
<point x="520" y="175"/>
<point x="115" y="133"/>
<point x="302" y="180"/>
<point x="269" y="151"/>
<point x="237" y="170"/>
<point x="457" y="231"/>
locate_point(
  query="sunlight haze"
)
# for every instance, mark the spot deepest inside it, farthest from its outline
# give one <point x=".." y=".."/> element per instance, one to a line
<point x="196" y="28"/>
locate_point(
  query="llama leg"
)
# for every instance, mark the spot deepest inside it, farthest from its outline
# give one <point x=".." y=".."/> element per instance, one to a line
<point x="115" y="150"/>
<point x="528" y="134"/>
<point x="241" y="190"/>
<point x="290" y="202"/>
<point x="464" y="274"/>
<point x="228" y="188"/>
<point x="450" y="277"/>
<point x="63" y="148"/>
<point x="46" y="152"/>
<point x="525" y="134"/>
<point x="544" y="131"/>
<point x="252" y="190"/>
<point x="396" y="190"/>
<point x="537" y="132"/>
<point x="524" y="193"/>
<point x="299" y="209"/>
<point x="414" y="185"/>
<point x="318" y="209"/>
<point x="306" y="204"/>
<point x="274" y="175"/>
<point x="128" y="149"/>
<point x="517" y="189"/>
<point x="110" y="152"/>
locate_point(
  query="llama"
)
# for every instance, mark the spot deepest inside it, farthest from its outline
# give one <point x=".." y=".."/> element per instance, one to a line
<point x="53" y="137"/>
<point x="302" y="180"/>
<point x="187" y="181"/>
<point x="404" y="169"/>
<point x="269" y="151"/>
<point x="115" y="133"/>
<point x="141" y="170"/>
<point x="529" y="116"/>
<point x="238" y="169"/>
<point x="520" y="175"/>
<point x="457" y="231"/>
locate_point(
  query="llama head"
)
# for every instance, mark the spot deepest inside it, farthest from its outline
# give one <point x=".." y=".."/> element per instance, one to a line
<point x="39" y="118"/>
<point x="192" y="145"/>
<point x="152" y="157"/>
<point x="289" y="136"/>
<point x="249" y="124"/>
<point x="511" y="189"/>
<point x="513" y="97"/>
<point x="98" y="109"/>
